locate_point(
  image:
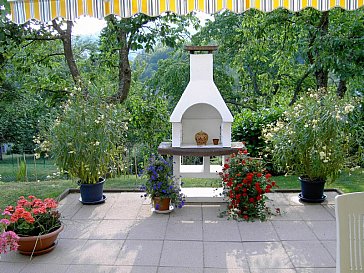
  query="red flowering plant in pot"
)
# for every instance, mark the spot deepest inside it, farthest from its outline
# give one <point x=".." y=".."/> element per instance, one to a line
<point x="246" y="183"/>
<point x="35" y="222"/>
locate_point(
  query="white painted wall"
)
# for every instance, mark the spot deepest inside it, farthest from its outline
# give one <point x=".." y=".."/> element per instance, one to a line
<point x="201" y="89"/>
<point x="200" y="117"/>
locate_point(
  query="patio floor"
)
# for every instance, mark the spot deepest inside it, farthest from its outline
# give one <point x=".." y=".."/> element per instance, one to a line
<point x="124" y="235"/>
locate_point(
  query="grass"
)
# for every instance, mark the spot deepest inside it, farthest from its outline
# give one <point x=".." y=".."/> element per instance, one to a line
<point x="36" y="169"/>
<point x="10" y="191"/>
<point x="347" y="182"/>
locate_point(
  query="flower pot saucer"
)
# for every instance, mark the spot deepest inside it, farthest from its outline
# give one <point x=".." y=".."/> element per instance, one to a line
<point x="171" y="208"/>
<point x="94" y="202"/>
<point x="309" y="200"/>
<point x="39" y="252"/>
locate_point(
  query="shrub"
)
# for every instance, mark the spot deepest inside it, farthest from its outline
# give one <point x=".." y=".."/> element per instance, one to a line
<point x="245" y="183"/>
<point x="88" y="136"/>
<point x="248" y="126"/>
<point x="312" y="137"/>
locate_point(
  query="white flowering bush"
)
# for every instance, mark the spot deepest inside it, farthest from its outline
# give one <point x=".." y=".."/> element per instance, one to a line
<point x="86" y="138"/>
<point x="311" y="139"/>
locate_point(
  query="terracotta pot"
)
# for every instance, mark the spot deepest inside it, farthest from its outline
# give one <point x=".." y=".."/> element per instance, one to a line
<point x="161" y="204"/>
<point x="40" y="244"/>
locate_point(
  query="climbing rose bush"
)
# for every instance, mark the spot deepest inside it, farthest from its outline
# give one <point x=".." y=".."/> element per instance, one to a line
<point x="246" y="183"/>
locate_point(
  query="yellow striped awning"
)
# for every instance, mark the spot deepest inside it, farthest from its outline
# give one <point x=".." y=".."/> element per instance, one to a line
<point x="46" y="10"/>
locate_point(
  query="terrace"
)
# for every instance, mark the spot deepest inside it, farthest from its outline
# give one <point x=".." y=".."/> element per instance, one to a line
<point x="124" y="235"/>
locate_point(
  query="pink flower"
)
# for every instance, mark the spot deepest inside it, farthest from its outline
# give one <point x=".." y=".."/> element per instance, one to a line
<point x="5" y="222"/>
<point x="8" y="241"/>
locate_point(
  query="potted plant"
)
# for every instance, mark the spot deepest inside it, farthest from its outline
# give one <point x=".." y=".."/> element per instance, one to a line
<point x="161" y="186"/>
<point x="311" y="139"/>
<point x="246" y="182"/>
<point x="31" y="227"/>
<point x="85" y="140"/>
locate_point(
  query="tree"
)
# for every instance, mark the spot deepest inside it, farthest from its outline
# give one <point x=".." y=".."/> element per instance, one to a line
<point x="121" y="36"/>
<point x="279" y="54"/>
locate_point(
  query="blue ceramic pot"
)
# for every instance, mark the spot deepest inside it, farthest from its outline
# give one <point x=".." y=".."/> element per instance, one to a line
<point x="92" y="193"/>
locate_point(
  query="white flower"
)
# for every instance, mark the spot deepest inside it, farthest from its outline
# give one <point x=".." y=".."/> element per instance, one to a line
<point x="97" y="121"/>
<point x="348" y="108"/>
<point x="71" y="152"/>
<point x="97" y="143"/>
<point x="322" y="155"/>
<point x="325" y="161"/>
<point x="37" y="155"/>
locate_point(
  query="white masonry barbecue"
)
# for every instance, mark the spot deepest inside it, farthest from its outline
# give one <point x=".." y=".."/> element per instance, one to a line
<point x="201" y="107"/>
<point x="199" y="114"/>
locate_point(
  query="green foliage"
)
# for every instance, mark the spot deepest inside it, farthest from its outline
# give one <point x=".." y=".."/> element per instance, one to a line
<point x="19" y="118"/>
<point x="172" y="77"/>
<point x="21" y="175"/>
<point x="356" y="123"/>
<point x="312" y="137"/>
<point x="276" y="55"/>
<point x="149" y="122"/>
<point x="248" y="125"/>
<point x="87" y="137"/>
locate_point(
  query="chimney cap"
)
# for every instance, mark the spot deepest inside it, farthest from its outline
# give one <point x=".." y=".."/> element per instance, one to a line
<point x="209" y="49"/>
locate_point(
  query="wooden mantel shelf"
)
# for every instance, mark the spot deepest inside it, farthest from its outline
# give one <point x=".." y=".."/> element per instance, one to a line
<point x="165" y="148"/>
<point x="209" y="49"/>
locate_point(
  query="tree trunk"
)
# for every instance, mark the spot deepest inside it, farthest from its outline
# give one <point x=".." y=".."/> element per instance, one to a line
<point x="66" y="38"/>
<point x="322" y="74"/>
<point x="124" y="68"/>
<point x="298" y="87"/>
<point x="341" y="89"/>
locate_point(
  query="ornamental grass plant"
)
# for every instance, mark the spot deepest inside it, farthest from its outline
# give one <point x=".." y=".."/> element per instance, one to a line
<point x="87" y="137"/>
<point x="161" y="182"/>
<point x="246" y="182"/>
<point x="312" y="137"/>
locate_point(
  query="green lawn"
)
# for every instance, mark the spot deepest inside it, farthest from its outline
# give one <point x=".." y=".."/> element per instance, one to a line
<point x="10" y="191"/>
<point x="347" y="182"/>
<point x="35" y="169"/>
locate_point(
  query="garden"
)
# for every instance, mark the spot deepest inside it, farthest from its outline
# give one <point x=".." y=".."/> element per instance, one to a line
<point x="79" y="112"/>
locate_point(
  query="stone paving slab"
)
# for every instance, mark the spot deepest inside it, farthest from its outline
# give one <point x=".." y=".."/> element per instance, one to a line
<point x="124" y="235"/>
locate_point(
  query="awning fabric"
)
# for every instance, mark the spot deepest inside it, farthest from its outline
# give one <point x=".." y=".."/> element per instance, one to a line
<point x="46" y="10"/>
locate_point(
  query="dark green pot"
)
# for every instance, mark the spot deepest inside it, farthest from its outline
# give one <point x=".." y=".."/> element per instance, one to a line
<point x="312" y="191"/>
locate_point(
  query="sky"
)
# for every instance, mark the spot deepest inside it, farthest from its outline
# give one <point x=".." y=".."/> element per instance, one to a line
<point x="88" y="26"/>
<point x="92" y="27"/>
